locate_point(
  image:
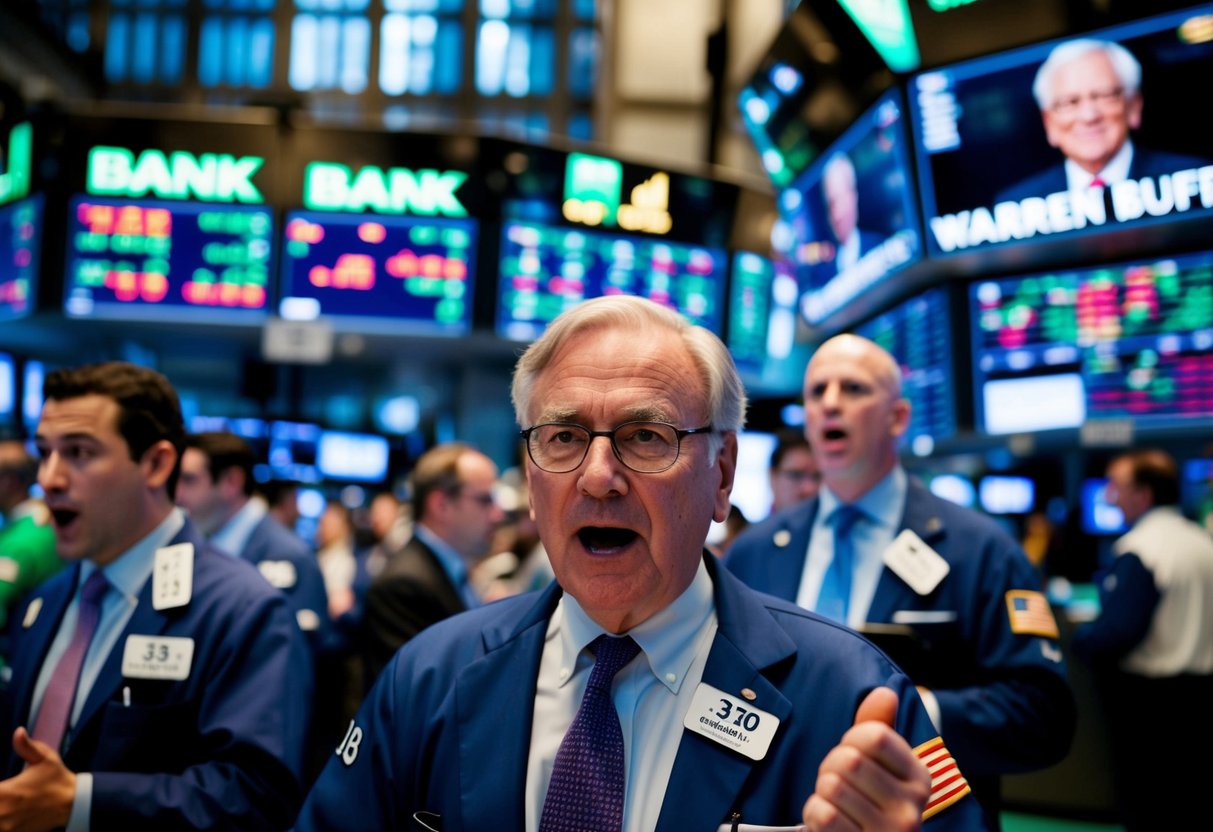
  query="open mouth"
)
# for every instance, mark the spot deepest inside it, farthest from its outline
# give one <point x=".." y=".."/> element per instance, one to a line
<point x="64" y="516"/>
<point x="601" y="540"/>
<point x="834" y="434"/>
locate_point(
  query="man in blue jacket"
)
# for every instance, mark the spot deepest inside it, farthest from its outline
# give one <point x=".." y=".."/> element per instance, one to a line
<point x="156" y="683"/>
<point x="950" y="596"/>
<point x="728" y="707"/>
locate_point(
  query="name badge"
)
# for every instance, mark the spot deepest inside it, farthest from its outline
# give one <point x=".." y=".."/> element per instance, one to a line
<point x="915" y="562"/>
<point x="173" y="576"/>
<point x="157" y="657"/>
<point x="280" y="574"/>
<point x="31" y="613"/>
<point x="731" y="721"/>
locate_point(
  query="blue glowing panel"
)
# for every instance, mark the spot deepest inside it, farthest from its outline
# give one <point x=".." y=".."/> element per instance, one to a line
<point x="20" y="241"/>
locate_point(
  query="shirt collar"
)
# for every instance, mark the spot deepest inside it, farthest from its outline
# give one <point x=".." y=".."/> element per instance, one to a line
<point x="451" y="561"/>
<point x="668" y="638"/>
<point x="884" y="503"/>
<point x="233" y="536"/>
<point x="129" y="571"/>
<point x="1116" y="170"/>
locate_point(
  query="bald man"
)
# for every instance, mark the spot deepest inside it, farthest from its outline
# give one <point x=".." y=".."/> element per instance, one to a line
<point x="949" y="595"/>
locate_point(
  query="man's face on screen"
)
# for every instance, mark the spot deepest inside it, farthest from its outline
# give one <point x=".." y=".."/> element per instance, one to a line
<point x="1089" y="114"/>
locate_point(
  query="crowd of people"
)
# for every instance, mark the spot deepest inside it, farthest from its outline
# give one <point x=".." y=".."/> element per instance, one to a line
<point x="177" y="656"/>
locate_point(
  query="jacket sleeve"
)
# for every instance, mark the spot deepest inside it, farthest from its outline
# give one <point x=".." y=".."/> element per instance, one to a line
<point x="1127" y="600"/>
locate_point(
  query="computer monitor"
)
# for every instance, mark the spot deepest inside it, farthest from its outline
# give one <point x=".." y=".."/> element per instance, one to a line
<point x="355" y="457"/>
<point x="20" y="250"/>
<point x="1099" y="517"/>
<point x="998" y="494"/>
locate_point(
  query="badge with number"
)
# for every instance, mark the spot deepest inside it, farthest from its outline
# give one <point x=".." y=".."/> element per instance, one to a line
<point x="915" y="562"/>
<point x="731" y="721"/>
<point x="279" y="573"/>
<point x="157" y="657"/>
<point x="173" y="576"/>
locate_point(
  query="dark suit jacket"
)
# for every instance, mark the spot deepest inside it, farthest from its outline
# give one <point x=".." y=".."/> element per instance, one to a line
<point x="221" y="749"/>
<point x="411" y="593"/>
<point x="447" y="727"/>
<point x="1004" y="698"/>
<point x="1145" y="162"/>
<point x="271" y="541"/>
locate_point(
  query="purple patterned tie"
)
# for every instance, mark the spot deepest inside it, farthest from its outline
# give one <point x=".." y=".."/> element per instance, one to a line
<point x="61" y="692"/>
<point x="586" y="790"/>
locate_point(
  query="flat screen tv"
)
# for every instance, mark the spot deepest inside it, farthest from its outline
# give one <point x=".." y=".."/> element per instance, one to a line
<point x="852" y="216"/>
<point x="388" y="274"/>
<point x="1000" y="494"/>
<point x="918" y="334"/>
<point x="1029" y="144"/>
<point x="20" y="246"/>
<point x="1131" y="341"/>
<point x="547" y="269"/>
<point x="159" y="260"/>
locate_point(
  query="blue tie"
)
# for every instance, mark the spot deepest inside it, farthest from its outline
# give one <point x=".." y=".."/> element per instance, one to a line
<point x="586" y="790"/>
<point x="835" y="595"/>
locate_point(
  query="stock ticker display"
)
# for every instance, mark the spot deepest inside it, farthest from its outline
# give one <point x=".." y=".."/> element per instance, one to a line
<point x="547" y="269"/>
<point x="917" y="333"/>
<point x="1131" y="341"/>
<point x="20" y="227"/>
<point x="387" y="274"/>
<point x="164" y="260"/>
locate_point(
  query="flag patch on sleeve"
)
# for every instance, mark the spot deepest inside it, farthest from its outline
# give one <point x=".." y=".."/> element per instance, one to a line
<point x="948" y="785"/>
<point x="1030" y="614"/>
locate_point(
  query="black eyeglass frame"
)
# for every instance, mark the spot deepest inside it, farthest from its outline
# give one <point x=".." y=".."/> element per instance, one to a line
<point x="679" y="433"/>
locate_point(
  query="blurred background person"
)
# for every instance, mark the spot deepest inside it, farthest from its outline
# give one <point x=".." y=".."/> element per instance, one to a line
<point x="455" y="516"/>
<point x="840" y="188"/>
<point x="1152" y="646"/>
<point x="282" y="501"/>
<point x="793" y="471"/>
<point x="27" y="539"/>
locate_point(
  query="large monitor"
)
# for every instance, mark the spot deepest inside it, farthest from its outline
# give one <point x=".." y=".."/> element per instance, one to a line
<point x="20" y="243"/>
<point x="547" y="269"/>
<point x="1097" y="515"/>
<point x="852" y="215"/>
<point x="161" y="260"/>
<point x="355" y="457"/>
<point x="1131" y="341"/>
<point x="390" y="274"/>
<point x="918" y="334"/>
<point x="1009" y="156"/>
<point x="764" y="332"/>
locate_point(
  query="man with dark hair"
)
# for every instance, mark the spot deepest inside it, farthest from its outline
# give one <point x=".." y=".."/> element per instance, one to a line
<point x="793" y="471"/>
<point x="216" y="488"/>
<point x="156" y="683"/>
<point x="1152" y="645"/>
<point x="454" y="517"/>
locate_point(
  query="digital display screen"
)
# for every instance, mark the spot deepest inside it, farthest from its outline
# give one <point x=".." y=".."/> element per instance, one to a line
<point x="547" y="269"/>
<point x="954" y="488"/>
<point x="359" y="457"/>
<point x="381" y="273"/>
<point x="20" y="237"/>
<point x="852" y="218"/>
<point x="292" y="451"/>
<point x="162" y="260"/>
<point x="1067" y="137"/>
<point x="8" y="388"/>
<point x="1006" y="495"/>
<point x="917" y="333"/>
<point x="1131" y="341"/>
<point x="1099" y="516"/>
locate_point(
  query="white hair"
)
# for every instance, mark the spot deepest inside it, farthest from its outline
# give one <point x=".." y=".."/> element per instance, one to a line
<point x="1126" y="67"/>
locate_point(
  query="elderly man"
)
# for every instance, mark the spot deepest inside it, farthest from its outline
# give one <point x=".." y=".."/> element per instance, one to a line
<point x="703" y="704"/>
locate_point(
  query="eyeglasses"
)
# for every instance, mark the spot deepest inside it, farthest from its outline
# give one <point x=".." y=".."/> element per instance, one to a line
<point x="798" y="477"/>
<point x="644" y="447"/>
<point x="1107" y="100"/>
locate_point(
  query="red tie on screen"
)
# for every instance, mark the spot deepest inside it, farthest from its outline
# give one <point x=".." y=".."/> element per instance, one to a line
<point x="61" y="692"/>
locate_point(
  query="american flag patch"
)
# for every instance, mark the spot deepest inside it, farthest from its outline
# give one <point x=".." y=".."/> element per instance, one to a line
<point x="948" y="785"/>
<point x="1030" y="614"/>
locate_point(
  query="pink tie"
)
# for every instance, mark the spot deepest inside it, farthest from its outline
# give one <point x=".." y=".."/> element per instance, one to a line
<point x="1097" y="182"/>
<point x="61" y="692"/>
